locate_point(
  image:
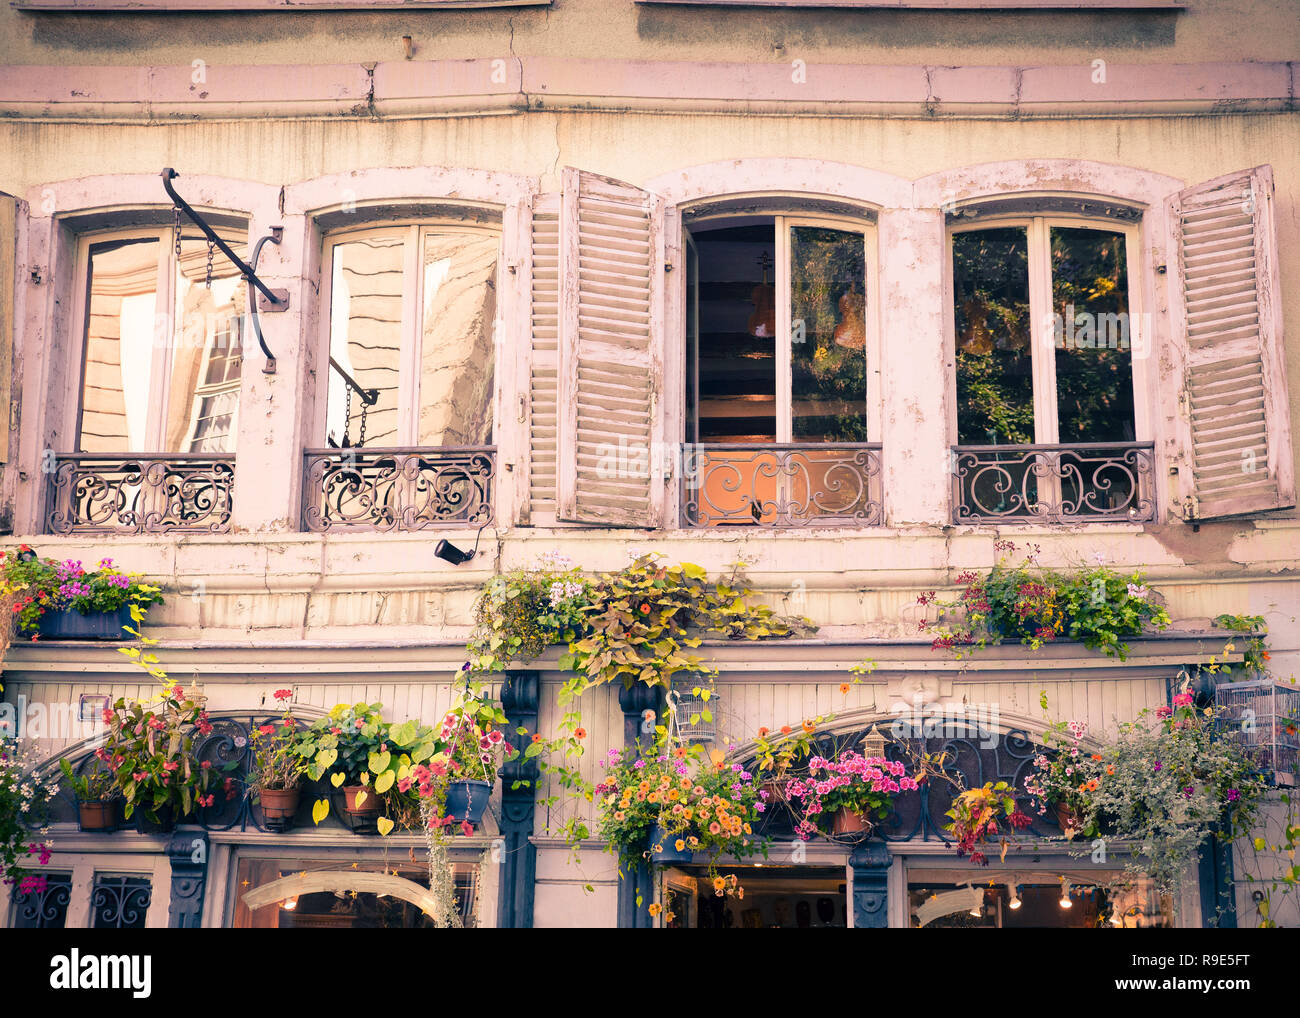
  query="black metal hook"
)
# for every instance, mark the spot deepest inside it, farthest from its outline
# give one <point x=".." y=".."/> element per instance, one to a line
<point x="277" y="300"/>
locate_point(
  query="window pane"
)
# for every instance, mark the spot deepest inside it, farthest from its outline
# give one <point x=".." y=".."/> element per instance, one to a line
<point x="995" y="387"/>
<point x="828" y="335"/>
<point x="366" y="338"/>
<point x="1094" y="359"/>
<point x="120" y="903"/>
<point x="456" y="347"/>
<point x="737" y="334"/>
<point x="43" y="907"/>
<point x="205" y="347"/>
<point x="343" y="905"/>
<point x="122" y="304"/>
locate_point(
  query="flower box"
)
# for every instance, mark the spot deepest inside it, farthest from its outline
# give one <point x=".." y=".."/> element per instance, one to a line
<point x="70" y="624"/>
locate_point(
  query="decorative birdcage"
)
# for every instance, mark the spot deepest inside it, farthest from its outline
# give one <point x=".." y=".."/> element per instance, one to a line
<point x="697" y="718"/>
<point x="1263" y="718"/>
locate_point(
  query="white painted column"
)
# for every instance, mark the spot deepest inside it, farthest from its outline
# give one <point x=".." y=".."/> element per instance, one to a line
<point x="273" y="409"/>
<point x="915" y="369"/>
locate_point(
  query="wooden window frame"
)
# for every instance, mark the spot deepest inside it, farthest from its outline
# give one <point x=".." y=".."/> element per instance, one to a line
<point x="783" y="223"/>
<point x="1038" y="234"/>
<point x="408" y="387"/>
<point x="162" y="360"/>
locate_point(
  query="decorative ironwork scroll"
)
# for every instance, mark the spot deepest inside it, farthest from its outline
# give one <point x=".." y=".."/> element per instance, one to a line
<point x="1108" y="481"/>
<point x="141" y="493"/>
<point x="783" y="485"/>
<point x="398" y="489"/>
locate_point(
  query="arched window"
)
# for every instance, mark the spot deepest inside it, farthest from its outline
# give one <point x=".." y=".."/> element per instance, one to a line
<point x="1049" y="344"/>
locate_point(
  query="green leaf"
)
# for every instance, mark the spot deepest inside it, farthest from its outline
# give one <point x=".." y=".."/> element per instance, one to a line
<point x="385" y="781"/>
<point x="379" y="762"/>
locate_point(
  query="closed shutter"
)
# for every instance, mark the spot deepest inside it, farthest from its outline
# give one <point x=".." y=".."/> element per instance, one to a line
<point x="1230" y="322"/>
<point x="544" y="358"/>
<point x="611" y="315"/>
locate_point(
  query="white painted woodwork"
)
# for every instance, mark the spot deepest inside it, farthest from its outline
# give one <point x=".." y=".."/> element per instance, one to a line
<point x="1229" y="323"/>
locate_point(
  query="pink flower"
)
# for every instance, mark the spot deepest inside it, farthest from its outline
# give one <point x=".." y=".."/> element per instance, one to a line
<point x="1183" y="700"/>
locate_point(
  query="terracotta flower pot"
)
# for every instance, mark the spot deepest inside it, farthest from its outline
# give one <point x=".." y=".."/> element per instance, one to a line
<point x="279" y="806"/>
<point x="1068" y="819"/>
<point x="848" y="822"/>
<point x="97" y="816"/>
<point x="369" y="807"/>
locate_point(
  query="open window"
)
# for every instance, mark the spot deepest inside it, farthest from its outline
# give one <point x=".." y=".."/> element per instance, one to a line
<point x="782" y="360"/>
<point x="406" y="425"/>
<point x="1050" y="348"/>
<point x="162" y="315"/>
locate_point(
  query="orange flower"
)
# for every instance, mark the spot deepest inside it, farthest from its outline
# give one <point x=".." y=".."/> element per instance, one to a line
<point x="785" y="729"/>
<point x="762" y="733"/>
<point x="655" y="909"/>
<point x="1110" y="769"/>
<point x="719" y="884"/>
<point x="1096" y="756"/>
<point x="844" y="688"/>
<point x="580" y="733"/>
<point x="808" y="726"/>
<point x="680" y="752"/>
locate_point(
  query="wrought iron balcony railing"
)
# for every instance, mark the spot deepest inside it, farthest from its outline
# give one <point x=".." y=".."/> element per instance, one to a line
<point x="1105" y="481"/>
<point x="782" y="485"/>
<point x="398" y="489"/>
<point x="141" y="493"/>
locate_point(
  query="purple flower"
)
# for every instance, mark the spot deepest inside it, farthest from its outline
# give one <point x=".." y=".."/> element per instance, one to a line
<point x="1233" y="795"/>
<point x="1157" y="765"/>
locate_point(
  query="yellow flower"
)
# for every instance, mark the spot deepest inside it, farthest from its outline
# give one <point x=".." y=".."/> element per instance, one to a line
<point x="681" y="845"/>
<point x="719" y="884"/>
<point x="655" y="909"/>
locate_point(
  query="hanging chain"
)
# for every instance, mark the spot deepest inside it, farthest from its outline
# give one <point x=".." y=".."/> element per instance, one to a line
<point x="176" y="231"/>
<point x="347" y="414"/>
<point x="207" y="281"/>
<point x="361" y="438"/>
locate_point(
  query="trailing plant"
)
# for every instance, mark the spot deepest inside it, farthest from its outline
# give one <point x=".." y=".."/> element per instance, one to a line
<point x="1096" y="606"/>
<point x="1064" y="775"/>
<point x="277" y="766"/>
<point x="25" y="794"/>
<point x="975" y="816"/>
<point x="1255" y="655"/>
<point x="522" y="612"/>
<point x="848" y="780"/>
<point x="40" y="585"/>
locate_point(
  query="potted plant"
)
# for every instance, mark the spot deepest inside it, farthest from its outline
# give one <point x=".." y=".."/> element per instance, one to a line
<point x="151" y="748"/>
<point x="975" y="815"/>
<point x="775" y="753"/>
<point x="277" y="770"/>
<point x="96" y="792"/>
<point x="64" y="601"/>
<point x="471" y="748"/>
<point x="676" y="801"/>
<point x="355" y="749"/>
<point x="850" y="789"/>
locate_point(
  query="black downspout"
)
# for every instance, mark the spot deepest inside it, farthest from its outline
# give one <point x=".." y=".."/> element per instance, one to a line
<point x="639" y="883"/>
<point x="519" y="699"/>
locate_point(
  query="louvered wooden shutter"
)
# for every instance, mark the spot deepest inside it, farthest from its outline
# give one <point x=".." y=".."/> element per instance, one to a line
<point x="543" y="364"/>
<point x="1230" y="321"/>
<point x="8" y="254"/>
<point x="611" y="323"/>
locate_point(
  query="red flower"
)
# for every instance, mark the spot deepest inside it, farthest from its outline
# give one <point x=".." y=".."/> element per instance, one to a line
<point x="580" y="733"/>
<point x="645" y="609"/>
<point x="267" y="729"/>
<point x="283" y="694"/>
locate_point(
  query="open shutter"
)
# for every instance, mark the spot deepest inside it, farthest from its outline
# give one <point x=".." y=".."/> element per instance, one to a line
<point x="1235" y="391"/>
<point x="8" y="255"/>
<point x="611" y="321"/>
<point x="543" y="364"/>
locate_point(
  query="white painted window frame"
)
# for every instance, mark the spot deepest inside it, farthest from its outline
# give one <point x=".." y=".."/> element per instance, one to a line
<point x="84" y="867"/>
<point x="408" y="385"/>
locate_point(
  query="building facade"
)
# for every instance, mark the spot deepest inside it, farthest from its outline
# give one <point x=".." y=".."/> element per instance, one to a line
<point x="849" y="292"/>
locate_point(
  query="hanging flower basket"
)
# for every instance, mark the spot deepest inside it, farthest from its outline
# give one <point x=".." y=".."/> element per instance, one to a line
<point x="664" y="851"/>
<point x="467" y="801"/>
